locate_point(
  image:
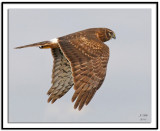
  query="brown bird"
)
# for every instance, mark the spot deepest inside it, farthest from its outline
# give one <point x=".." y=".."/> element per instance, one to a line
<point x="80" y="59"/>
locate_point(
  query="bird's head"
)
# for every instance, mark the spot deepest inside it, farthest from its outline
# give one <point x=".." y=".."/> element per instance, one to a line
<point x="106" y="34"/>
<point x="111" y="34"/>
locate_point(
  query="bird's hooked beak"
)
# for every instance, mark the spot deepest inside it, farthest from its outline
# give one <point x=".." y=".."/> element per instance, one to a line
<point x="113" y="36"/>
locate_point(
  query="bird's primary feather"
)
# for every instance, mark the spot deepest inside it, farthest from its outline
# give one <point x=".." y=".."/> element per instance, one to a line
<point x="61" y="76"/>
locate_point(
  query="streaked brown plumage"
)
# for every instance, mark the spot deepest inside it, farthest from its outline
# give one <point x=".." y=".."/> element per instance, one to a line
<point x="80" y="59"/>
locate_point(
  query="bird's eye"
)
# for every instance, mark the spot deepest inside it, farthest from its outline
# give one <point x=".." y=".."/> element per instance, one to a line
<point x="110" y="33"/>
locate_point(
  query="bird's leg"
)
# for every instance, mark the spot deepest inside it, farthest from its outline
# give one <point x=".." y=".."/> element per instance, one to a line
<point x="44" y="47"/>
<point x="55" y="45"/>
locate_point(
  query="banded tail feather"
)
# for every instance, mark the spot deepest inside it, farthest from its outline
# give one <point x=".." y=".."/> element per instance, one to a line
<point x="41" y="45"/>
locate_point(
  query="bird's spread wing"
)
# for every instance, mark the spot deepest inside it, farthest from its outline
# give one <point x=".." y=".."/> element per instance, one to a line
<point x="88" y="61"/>
<point x="61" y="76"/>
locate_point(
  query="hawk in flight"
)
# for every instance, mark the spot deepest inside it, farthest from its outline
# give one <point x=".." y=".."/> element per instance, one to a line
<point x="80" y="59"/>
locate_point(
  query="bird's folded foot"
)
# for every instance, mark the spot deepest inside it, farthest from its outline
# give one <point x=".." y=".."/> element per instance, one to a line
<point x="44" y="47"/>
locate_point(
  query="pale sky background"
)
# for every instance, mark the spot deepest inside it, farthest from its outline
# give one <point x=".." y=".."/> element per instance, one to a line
<point x="126" y="91"/>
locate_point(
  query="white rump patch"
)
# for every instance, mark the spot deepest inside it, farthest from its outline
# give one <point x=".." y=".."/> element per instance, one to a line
<point x="55" y="40"/>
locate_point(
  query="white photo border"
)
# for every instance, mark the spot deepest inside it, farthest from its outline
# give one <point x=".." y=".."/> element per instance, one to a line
<point x="90" y="5"/>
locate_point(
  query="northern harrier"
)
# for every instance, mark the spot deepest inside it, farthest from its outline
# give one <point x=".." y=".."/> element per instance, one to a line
<point x="80" y="59"/>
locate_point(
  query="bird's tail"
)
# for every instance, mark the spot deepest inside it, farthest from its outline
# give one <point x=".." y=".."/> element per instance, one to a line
<point x="43" y="44"/>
